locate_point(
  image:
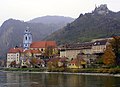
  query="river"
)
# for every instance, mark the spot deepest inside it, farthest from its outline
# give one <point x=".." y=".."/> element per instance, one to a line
<point x="17" y="79"/>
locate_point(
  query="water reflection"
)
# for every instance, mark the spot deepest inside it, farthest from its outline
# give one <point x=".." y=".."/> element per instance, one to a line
<point x="55" y="80"/>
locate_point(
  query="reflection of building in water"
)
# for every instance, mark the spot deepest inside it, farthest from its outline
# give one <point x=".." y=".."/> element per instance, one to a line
<point x="18" y="80"/>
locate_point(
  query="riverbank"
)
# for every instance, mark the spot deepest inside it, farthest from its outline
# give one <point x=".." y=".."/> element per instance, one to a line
<point x="87" y="71"/>
<point x="67" y="73"/>
<point x="25" y="69"/>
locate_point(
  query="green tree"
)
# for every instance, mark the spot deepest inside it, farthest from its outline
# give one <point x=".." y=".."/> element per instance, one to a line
<point x="109" y="57"/>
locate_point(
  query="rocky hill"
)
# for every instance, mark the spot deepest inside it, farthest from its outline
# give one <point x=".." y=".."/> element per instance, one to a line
<point x="99" y="23"/>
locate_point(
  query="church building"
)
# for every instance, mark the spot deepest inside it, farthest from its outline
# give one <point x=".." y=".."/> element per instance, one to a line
<point x="27" y="39"/>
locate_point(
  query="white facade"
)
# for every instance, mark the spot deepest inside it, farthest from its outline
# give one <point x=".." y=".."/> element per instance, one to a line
<point x="69" y="53"/>
<point x="13" y="57"/>
<point x="98" y="49"/>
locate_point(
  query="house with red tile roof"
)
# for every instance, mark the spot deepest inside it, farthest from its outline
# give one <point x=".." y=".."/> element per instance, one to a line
<point x="37" y="50"/>
<point x="33" y="53"/>
<point x="57" y="62"/>
<point x="77" y="63"/>
<point x="20" y="56"/>
<point x="14" y="55"/>
<point x="28" y="55"/>
<point x="46" y="47"/>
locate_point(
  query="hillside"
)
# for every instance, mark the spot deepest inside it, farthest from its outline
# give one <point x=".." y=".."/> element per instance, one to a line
<point x="99" y="23"/>
<point x="11" y="33"/>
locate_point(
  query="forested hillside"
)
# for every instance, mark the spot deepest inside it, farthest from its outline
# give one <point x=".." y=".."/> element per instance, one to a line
<point x="99" y="23"/>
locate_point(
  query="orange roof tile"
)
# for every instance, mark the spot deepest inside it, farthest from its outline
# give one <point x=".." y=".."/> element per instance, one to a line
<point x="35" y="51"/>
<point x="32" y="51"/>
<point x="15" y="50"/>
<point x="43" y="44"/>
<point x="74" y="61"/>
<point x="27" y="51"/>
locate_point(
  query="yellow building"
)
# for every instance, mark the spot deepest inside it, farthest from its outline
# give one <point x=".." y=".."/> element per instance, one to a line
<point x="77" y="63"/>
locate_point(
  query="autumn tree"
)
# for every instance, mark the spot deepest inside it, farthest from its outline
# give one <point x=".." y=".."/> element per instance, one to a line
<point x="109" y="57"/>
<point x="49" y="51"/>
<point x="34" y="60"/>
<point x="115" y="43"/>
<point x="53" y="63"/>
<point x="13" y="64"/>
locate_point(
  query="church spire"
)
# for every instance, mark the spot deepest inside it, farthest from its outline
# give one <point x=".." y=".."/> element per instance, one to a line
<point x="27" y="39"/>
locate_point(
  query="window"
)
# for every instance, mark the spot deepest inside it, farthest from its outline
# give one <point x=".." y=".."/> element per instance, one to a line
<point x="29" y="38"/>
<point x="41" y="49"/>
<point x="26" y="38"/>
<point x="95" y="43"/>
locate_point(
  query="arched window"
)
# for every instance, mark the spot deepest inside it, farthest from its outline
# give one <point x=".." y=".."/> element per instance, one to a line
<point x="29" y="38"/>
<point x="26" y="38"/>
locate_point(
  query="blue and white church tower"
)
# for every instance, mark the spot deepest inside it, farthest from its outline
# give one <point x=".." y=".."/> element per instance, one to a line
<point x="27" y="40"/>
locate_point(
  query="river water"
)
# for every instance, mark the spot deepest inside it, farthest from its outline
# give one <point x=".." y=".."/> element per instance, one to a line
<point x="16" y="79"/>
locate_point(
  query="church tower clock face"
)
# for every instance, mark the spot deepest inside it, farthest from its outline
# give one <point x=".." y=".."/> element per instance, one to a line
<point x="27" y="40"/>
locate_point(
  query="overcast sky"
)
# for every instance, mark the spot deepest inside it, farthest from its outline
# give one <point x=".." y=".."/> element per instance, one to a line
<point x="29" y="9"/>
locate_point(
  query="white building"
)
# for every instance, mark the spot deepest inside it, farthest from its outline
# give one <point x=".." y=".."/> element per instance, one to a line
<point x="14" y="56"/>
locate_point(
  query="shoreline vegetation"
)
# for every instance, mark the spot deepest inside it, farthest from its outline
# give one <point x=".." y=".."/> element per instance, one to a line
<point x="87" y="71"/>
<point x="94" y="72"/>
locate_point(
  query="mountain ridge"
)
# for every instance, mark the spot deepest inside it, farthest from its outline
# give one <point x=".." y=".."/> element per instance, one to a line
<point x="12" y="31"/>
<point x="99" y="23"/>
<point x="51" y="19"/>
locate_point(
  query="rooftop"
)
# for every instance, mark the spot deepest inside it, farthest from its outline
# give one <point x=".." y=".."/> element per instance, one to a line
<point x="43" y="44"/>
<point x="15" y="50"/>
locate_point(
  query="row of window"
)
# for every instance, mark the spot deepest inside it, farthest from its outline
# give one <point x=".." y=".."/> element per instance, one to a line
<point x="71" y="64"/>
<point x="99" y="48"/>
<point x="11" y="58"/>
<point x="13" y="55"/>
<point x="37" y="49"/>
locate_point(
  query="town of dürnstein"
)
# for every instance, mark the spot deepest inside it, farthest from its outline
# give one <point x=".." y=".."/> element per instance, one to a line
<point x="61" y="51"/>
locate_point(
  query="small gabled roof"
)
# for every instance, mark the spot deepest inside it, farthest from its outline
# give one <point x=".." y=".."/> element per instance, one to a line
<point x="15" y="50"/>
<point x="76" y="60"/>
<point x="32" y="51"/>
